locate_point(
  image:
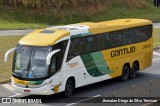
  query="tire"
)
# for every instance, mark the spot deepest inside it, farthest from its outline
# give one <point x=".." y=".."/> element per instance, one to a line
<point x="125" y="73"/>
<point x="68" y="88"/>
<point x="134" y="71"/>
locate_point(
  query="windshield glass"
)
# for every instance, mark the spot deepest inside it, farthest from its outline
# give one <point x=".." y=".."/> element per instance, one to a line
<point x="30" y="62"/>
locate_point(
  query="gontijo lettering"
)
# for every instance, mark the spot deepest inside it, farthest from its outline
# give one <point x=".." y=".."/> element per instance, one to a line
<point x="123" y="51"/>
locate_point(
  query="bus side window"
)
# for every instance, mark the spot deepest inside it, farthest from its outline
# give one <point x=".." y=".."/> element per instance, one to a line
<point x="140" y="34"/>
<point x="128" y="37"/>
<point x="116" y="39"/>
<point x="53" y="65"/>
<point x="119" y="39"/>
<point x="59" y="58"/>
<point x="103" y="41"/>
<point x="112" y="38"/>
<point x="75" y="48"/>
<point x="148" y="31"/>
<point x="89" y="44"/>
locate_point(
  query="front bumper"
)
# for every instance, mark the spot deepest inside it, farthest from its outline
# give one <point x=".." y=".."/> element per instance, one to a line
<point x="44" y="90"/>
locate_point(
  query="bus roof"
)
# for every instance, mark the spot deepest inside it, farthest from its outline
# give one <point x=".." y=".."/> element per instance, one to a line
<point x="114" y="25"/>
<point x="52" y="35"/>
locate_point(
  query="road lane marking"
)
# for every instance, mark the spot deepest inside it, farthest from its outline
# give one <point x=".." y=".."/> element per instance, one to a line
<point x="156" y="59"/>
<point x="96" y="96"/>
<point x="155" y="53"/>
<point x="7" y="86"/>
<point x="71" y="104"/>
<point x="17" y="94"/>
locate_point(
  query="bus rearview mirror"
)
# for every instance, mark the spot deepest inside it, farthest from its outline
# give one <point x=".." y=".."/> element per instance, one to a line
<point x="48" y="59"/>
<point x="7" y="54"/>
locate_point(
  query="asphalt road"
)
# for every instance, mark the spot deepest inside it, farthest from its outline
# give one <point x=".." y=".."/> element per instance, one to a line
<point x="93" y="90"/>
<point x="156" y="25"/>
<point x="15" y="32"/>
<point x="24" y="32"/>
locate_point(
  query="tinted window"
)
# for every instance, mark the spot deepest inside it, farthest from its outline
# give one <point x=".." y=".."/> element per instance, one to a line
<point x="128" y="36"/>
<point x="140" y="34"/>
<point x="148" y="31"/>
<point x="116" y="38"/>
<point x="75" y="47"/>
<point x="89" y="44"/>
<point x="59" y="56"/>
<point x="103" y="41"/>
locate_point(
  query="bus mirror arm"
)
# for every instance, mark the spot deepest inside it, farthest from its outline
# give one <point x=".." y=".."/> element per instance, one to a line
<point x="7" y="54"/>
<point x="48" y="59"/>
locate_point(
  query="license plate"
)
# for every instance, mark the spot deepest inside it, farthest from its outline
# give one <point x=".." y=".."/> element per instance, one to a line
<point x="27" y="91"/>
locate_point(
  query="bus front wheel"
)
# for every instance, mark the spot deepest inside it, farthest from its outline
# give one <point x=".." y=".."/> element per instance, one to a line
<point x="125" y="73"/>
<point x="134" y="70"/>
<point x="68" y="88"/>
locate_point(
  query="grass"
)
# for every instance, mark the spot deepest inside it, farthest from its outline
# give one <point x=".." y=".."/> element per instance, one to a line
<point x="20" y="18"/>
<point x="8" y="42"/>
<point x="120" y="11"/>
<point x="156" y="34"/>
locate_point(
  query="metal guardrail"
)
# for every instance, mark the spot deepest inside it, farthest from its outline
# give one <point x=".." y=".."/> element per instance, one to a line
<point x="145" y="89"/>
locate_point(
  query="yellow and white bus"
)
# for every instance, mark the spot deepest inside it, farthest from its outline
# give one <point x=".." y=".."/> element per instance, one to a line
<point x="61" y="58"/>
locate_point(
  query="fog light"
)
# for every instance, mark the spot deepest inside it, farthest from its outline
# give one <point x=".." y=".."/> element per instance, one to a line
<point x="45" y="91"/>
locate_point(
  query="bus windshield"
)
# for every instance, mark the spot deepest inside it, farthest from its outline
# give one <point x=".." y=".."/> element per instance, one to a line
<point x="30" y="62"/>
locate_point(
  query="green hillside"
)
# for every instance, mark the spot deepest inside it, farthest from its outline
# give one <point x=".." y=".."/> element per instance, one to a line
<point x="27" y="14"/>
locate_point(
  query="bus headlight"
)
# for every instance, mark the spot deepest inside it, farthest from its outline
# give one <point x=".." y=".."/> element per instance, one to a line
<point x="47" y="82"/>
<point x="43" y="84"/>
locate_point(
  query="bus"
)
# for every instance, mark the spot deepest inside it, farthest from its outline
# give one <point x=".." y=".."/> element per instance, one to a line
<point x="61" y="58"/>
